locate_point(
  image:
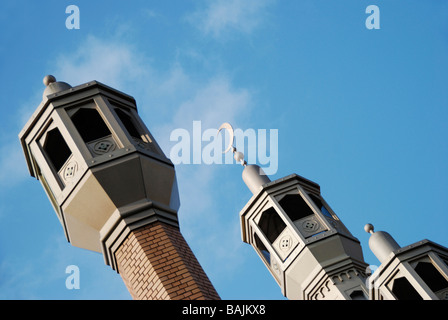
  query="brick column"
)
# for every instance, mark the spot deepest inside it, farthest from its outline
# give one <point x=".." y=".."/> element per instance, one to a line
<point x="156" y="263"/>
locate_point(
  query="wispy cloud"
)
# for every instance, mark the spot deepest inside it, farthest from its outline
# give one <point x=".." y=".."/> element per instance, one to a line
<point x="13" y="165"/>
<point x="48" y="270"/>
<point x="218" y="17"/>
<point x="212" y="101"/>
<point x="112" y="62"/>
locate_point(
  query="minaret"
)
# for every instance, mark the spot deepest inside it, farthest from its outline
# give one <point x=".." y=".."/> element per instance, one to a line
<point x="313" y="256"/>
<point x="300" y="239"/>
<point x="415" y="272"/>
<point x="113" y="189"/>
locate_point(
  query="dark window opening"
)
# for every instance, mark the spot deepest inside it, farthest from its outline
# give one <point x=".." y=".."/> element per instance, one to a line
<point x="271" y="224"/>
<point x="403" y="290"/>
<point x="295" y="207"/>
<point x="358" y="295"/>
<point x="318" y="202"/>
<point x="56" y="149"/>
<point x="262" y="248"/>
<point x="90" y="125"/>
<point x="128" y="123"/>
<point x="431" y="276"/>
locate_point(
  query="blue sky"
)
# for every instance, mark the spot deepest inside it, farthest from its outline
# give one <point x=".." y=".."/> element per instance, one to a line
<point x="361" y="112"/>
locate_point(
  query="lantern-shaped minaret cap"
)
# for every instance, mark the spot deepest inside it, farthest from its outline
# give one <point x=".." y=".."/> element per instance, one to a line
<point x="53" y="86"/>
<point x="99" y="164"/>
<point x="381" y="243"/>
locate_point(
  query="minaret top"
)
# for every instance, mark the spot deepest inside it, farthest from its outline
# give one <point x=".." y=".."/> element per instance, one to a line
<point x="53" y="86"/>
<point x="49" y="79"/>
<point x="253" y="175"/>
<point x="381" y="243"/>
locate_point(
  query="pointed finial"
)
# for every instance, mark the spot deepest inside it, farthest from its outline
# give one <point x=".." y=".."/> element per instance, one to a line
<point x="369" y="228"/>
<point x="253" y="175"/>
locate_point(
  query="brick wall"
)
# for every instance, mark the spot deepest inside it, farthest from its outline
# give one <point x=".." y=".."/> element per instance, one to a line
<point x="156" y="263"/>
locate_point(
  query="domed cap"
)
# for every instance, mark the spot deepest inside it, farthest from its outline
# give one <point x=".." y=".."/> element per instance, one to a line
<point x="381" y="243"/>
<point x="53" y="86"/>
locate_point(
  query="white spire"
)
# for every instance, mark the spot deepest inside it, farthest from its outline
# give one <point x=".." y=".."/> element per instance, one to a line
<point x="381" y="243"/>
<point x="253" y="175"/>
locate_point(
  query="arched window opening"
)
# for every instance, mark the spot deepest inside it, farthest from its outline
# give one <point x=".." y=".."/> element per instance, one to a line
<point x="431" y="276"/>
<point x="295" y="207"/>
<point x="271" y="224"/>
<point x="56" y="149"/>
<point x="128" y="123"/>
<point x="90" y="124"/>
<point x="318" y="202"/>
<point x="403" y="290"/>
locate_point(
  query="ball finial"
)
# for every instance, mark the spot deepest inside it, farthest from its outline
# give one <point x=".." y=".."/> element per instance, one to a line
<point x="49" y="79"/>
<point x="239" y="157"/>
<point x="368" y="228"/>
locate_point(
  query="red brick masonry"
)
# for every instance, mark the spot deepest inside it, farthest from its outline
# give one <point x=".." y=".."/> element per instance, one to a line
<point x="156" y="263"/>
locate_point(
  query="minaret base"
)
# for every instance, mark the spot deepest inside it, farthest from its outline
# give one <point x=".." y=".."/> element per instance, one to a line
<point x="156" y="263"/>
